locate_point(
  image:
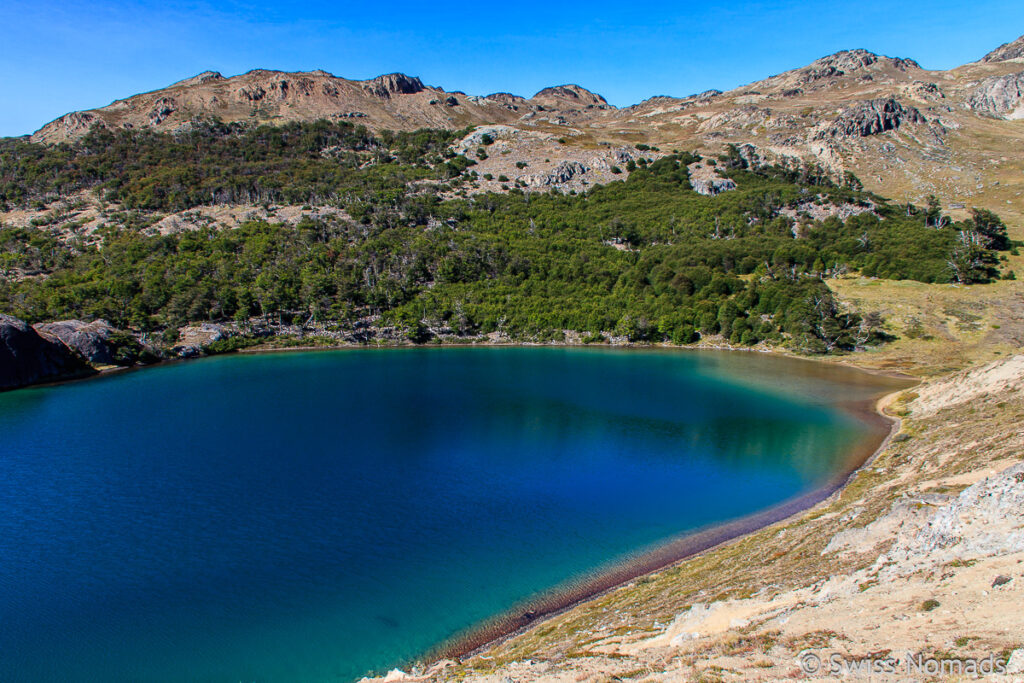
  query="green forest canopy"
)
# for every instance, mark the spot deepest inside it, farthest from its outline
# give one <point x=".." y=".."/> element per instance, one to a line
<point x="645" y="257"/>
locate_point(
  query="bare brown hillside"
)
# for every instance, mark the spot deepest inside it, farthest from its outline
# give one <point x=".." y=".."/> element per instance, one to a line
<point x="907" y="132"/>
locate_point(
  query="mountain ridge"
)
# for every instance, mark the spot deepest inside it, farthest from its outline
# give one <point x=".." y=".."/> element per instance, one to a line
<point x="903" y="129"/>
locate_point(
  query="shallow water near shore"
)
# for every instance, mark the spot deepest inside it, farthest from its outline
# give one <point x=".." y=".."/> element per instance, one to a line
<point x="317" y="516"/>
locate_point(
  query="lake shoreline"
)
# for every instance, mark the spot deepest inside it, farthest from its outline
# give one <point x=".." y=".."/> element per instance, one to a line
<point x="532" y="613"/>
<point x="652" y="559"/>
<point x="775" y="352"/>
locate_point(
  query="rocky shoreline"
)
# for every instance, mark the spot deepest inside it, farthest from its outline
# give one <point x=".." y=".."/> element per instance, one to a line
<point x="72" y="349"/>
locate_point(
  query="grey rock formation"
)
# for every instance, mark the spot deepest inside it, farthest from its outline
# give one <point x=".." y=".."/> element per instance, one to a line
<point x="569" y="96"/>
<point x="199" y="79"/>
<point x="394" y="84"/>
<point x="194" y="338"/>
<point x="1000" y="96"/>
<point x="712" y="186"/>
<point x="986" y="519"/>
<point x="506" y="99"/>
<point x="28" y="358"/>
<point x="848" y="62"/>
<point x="923" y="90"/>
<point x="563" y="173"/>
<point x="162" y="108"/>
<point x="251" y="93"/>
<point x="1006" y="51"/>
<point x="93" y="341"/>
<point x="72" y="125"/>
<point x="871" y="117"/>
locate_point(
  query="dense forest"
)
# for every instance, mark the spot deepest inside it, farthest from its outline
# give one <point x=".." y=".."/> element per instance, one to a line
<point x="645" y="258"/>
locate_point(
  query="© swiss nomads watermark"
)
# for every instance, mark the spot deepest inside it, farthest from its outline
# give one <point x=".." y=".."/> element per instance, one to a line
<point x="823" y="663"/>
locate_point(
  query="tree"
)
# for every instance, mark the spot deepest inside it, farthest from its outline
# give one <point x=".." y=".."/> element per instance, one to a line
<point x="991" y="229"/>
<point x="967" y="261"/>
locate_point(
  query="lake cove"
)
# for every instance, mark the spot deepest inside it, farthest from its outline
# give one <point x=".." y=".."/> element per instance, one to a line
<point x="317" y="516"/>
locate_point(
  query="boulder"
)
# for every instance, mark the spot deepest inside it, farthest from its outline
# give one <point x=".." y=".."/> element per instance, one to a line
<point x="705" y="180"/>
<point x="192" y="339"/>
<point x="97" y="342"/>
<point x="28" y="358"/>
<point x="712" y="186"/>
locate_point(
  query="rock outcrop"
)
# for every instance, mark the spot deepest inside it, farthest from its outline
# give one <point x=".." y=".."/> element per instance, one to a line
<point x="507" y="99"/>
<point x="192" y="339"/>
<point x="712" y="186"/>
<point x="394" y="84"/>
<point x="850" y="61"/>
<point x="871" y="117"/>
<point x="97" y="342"/>
<point x="1000" y="96"/>
<point x="569" y="97"/>
<point x="162" y="108"/>
<point x="68" y="127"/>
<point x="1006" y="52"/>
<point x="28" y="358"/>
<point x="815" y="210"/>
<point x="199" y="79"/>
<point x="986" y="519"/>
<point x="704" y="179"/>
<point x="562" y="174"/>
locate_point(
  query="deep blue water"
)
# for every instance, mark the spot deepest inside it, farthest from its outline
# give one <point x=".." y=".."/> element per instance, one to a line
<point x="316" y="516"/>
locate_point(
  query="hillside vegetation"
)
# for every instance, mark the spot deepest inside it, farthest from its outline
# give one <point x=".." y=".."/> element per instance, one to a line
<point x="646" y="258"/>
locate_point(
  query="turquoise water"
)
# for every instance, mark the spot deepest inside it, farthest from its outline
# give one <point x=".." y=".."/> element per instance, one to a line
<point x="317" y="516"/>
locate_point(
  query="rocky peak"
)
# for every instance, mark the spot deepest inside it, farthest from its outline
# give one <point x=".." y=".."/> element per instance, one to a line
<point x="846" y="63"/>
<point x="855" y="60"/>
<point x="1006" y="52"/>
<point x="507" y="99"/>
<point x="199" y="79"/>
<point x="394" y="84"/>
<point x="570" y="94"/>
<point x="848" y="60"/>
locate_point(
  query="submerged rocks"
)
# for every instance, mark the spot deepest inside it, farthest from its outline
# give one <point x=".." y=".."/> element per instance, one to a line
<point x="26" y="357"/>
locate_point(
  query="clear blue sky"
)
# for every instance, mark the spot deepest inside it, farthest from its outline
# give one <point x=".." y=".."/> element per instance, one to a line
<point x="57" y="56"/>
